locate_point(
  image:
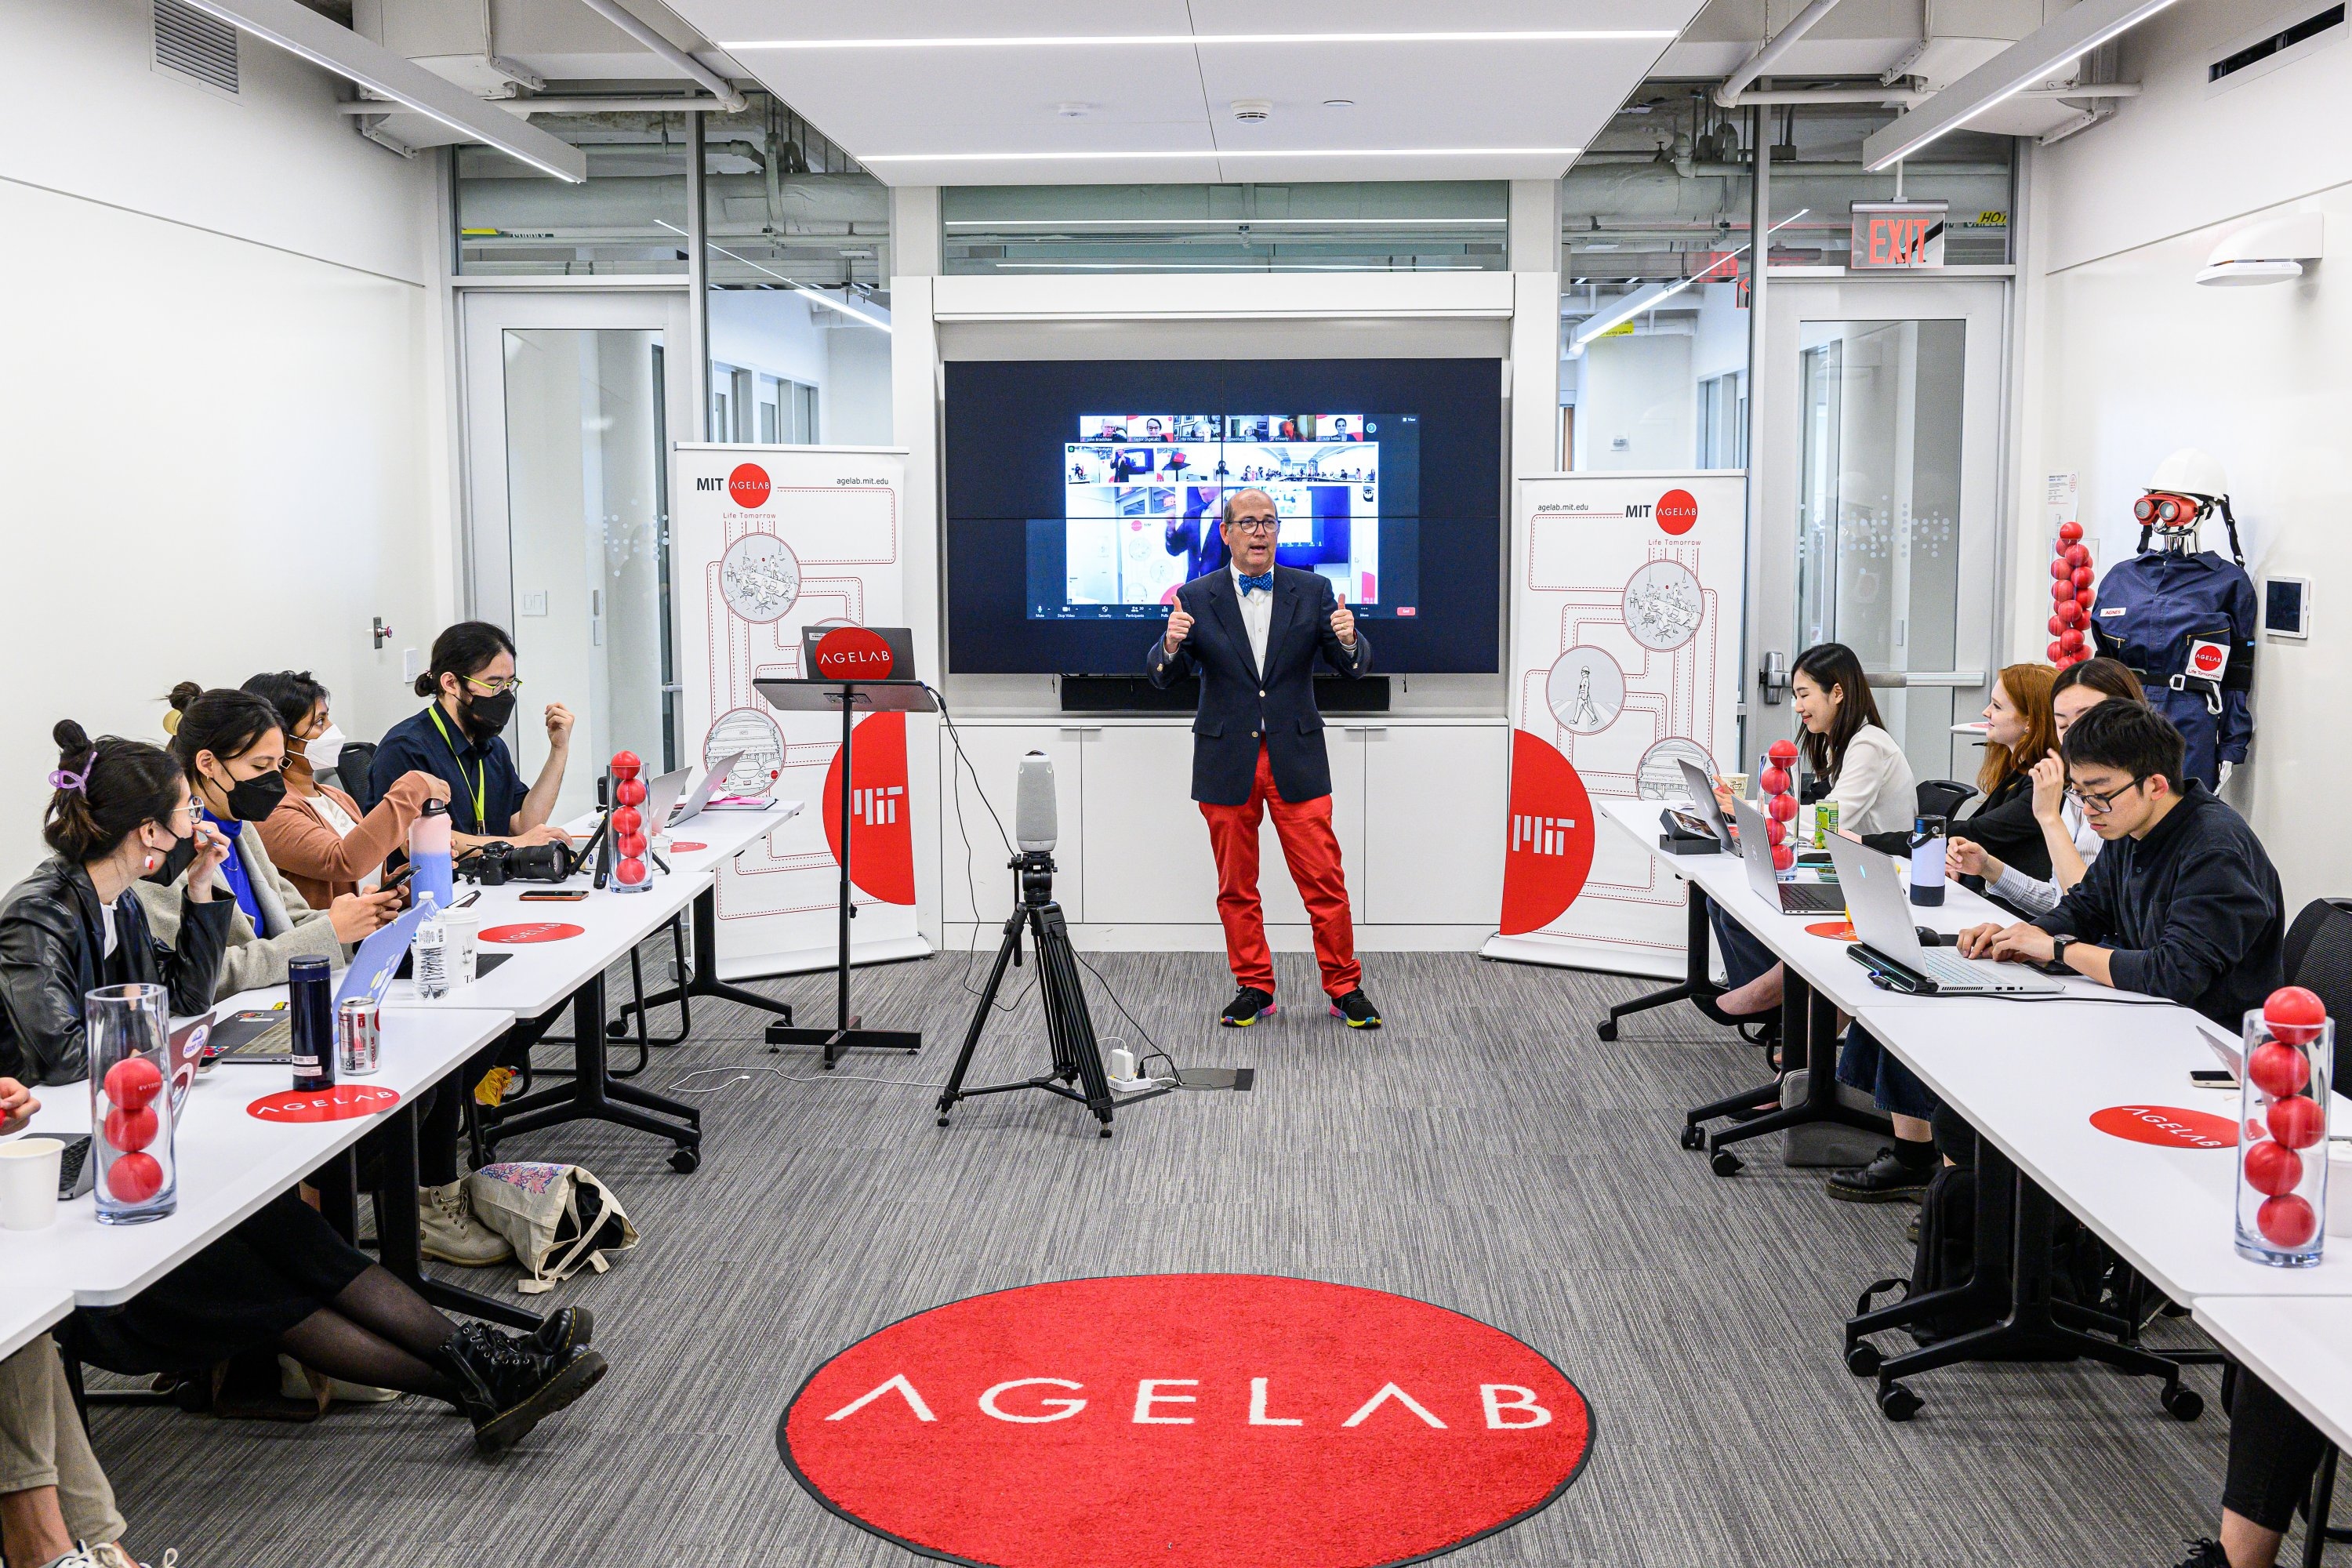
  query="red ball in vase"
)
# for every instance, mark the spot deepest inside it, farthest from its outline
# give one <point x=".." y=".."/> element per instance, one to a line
<point x="629" y="873"/>
<point x="627" y="819"/>
<point x="2286" y="1220"/>
<point x="129" y="1130"/>
<point x="132" y="1082"/>
<point x="2070" y="639"/>
<point x="1773" y="780"/>
<point x="2273" y="1168"/>
<point x="625" y="765"/>
<point x="2077" y="556"/>
<point x="2054" y="652"/>
<point x="2070" y="532"/>
<point x="2278" y="1070"/>
<point x="1783" y="856"/>
<point x="1776" y="832"/>
<point x="631" y="845"/>
<point x="2063" y="591"/>
<point x="2294" y="1015"/>
<point x="2297" y="1122"/>
<point x="2061" y="568"/>
<point x="1783" y="807"/>
<point x="629" y="791"/>
<point x="2083" y="576"/>
<point x="2057" y="625"/>
<point x="2085" y="598"/>
<point x="134" y="1178"/>
<point x="1782" y="752"/>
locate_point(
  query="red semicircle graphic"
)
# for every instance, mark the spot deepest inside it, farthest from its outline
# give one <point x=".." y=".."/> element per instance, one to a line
<point x="1548" y="851"/>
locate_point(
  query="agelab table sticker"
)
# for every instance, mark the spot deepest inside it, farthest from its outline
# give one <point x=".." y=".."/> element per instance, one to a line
<point x="533" y="930"/>
<point x="2167" y="1126"/>
<point x="343" y="1103"/>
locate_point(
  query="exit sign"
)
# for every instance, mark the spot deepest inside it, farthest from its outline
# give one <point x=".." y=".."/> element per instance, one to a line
<point x="1898" y="236"/>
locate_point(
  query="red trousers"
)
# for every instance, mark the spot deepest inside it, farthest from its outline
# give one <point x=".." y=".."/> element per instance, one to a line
<point x="1313" y="851"/>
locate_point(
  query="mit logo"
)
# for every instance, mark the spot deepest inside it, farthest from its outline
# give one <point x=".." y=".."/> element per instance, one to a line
<point x="1541" y="835"/>
<point x="876" y="805"/>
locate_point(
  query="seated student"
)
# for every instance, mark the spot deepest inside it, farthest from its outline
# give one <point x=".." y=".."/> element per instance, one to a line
<point x="2066" y="838"/>
<point x="1869" y="780"/>
<point x="56" y="1510"/>
<point x="318" y="837"/>
<point x="283" y="1279"/>
<point x="471" y="680"/>
<point x="120" y="811"/>
<point x="231" y="747"/>
<point x="2019" y="726"/>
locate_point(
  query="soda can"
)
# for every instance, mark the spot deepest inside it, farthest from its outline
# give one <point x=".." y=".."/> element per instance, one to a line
<point x="359" y="1037"/>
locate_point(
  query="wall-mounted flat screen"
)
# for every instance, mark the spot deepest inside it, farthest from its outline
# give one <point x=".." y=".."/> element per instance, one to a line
<point x="1082" y="494"/>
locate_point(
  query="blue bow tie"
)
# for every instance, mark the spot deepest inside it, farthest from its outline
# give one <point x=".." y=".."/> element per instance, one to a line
<point x="1262" y="585"/>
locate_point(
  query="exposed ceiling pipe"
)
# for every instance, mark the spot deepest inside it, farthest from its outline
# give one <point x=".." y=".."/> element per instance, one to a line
<point x="629" y="22"/>
<point x="1902" y="96"/>
<point x="527" y="107"/>
<point x="1767" y="53"/>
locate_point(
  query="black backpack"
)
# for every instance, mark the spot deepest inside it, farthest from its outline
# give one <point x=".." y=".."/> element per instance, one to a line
<point x="2083" y="1269"/>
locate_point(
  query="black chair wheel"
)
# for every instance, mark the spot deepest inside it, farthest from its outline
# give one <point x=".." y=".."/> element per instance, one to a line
<point x="1862" y="1359"/>
<point x="943" y="1120"/>
<point x="617" y="1029"/>
<point x="1725" y="1162"/>
<point x="685" y="1162"/>
<point x="1897" y="1402"/>
<point x="1106" y="1131"/>
<point x="2182" y="1402"/>
<point x="1694" y="1136"/>
<point x="1606" y="1028"/>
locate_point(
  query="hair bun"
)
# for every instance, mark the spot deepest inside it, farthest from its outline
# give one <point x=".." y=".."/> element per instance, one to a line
<point x="426" y="686"/>
<point x="73" y="742"/>
<point x="184" y="694"/>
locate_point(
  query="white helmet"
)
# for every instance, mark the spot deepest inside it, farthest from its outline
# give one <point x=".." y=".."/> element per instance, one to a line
<point x="2190" y="471"/>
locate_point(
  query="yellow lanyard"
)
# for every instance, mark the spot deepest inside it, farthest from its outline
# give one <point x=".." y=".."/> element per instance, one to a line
<point x="481" y="769"/>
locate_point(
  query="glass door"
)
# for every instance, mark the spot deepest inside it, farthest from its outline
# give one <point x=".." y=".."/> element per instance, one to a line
<point x="571" y="400"/>
<point x="1881" y="502"/>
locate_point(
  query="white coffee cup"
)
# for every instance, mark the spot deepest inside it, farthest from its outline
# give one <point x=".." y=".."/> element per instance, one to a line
<point x="462" y="929"/>
<point x="28" y="1182"/>
<point x="2339" y="1190"/>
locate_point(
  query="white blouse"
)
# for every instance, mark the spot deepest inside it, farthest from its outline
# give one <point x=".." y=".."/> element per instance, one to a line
<point x="2033" y="894"/>
<point x="1875" y="791"/>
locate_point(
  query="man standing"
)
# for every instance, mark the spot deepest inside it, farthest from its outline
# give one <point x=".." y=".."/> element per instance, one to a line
<point x="1252" y="633"/>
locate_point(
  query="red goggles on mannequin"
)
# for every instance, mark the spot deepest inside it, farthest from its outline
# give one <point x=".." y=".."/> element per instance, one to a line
<point x="2160" y="509"/>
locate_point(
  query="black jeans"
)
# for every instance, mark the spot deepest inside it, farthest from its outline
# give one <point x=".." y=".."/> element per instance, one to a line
<point x="2274" y="1453"/>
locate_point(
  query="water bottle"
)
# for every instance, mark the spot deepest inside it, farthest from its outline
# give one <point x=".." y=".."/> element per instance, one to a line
<point x="430" y="955"/>
<point x="1927" y="861"/>
<point x="310" y="1012"/>
<point x="428" y="851"/>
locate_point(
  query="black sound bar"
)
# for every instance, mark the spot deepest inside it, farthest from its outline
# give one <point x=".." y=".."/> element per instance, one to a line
<point x="1136" y="694"/>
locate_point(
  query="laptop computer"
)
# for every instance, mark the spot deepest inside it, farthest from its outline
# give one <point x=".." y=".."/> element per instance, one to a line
<point x="661" y="793"/>
<point x="1793" y="898"/>
<point x="900" y="640"/>
<point x="1703" y="802"/>
<point x="1888" y="940"/>
<point x="189" y="1038"/>
<point x="700" y="796"/>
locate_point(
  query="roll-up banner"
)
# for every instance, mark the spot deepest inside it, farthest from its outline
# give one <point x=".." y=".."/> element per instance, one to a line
<point x="764" y="540"/>
<point x="1626" y="590"/>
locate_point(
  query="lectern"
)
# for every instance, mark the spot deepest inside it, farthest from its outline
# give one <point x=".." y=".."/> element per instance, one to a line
<point x="852" y="670"/>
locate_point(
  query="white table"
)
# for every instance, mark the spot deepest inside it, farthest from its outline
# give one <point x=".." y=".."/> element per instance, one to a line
<point x="2300" y="1346"/>
<point x="230" y="1163"/>
<point x="27" y="1306"/>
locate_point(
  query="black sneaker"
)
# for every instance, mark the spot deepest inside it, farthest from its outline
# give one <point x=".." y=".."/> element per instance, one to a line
<point x="563" y="1330"/>
<point x="507" y="1385"/>
<point x="1248" y="1005"/>
<point x="2205" y="1553"/>
<point x="1885" y="1180"/>
<point x="1357" y="1010"/>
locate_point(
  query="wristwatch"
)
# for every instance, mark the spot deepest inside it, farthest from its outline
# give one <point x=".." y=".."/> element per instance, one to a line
<point x="2058" y="946"/>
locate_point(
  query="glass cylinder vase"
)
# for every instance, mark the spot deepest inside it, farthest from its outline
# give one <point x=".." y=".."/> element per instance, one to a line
<point x="129" y="1037"/>
<point x="2283" y="1140"/>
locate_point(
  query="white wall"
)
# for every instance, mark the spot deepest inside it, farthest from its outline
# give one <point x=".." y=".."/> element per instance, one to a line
<point x="2137" y="361"/>
<point x="1637" y="388"/>
<point x="224" y="426"/>
<point x="854" y="402"/>
<point x="768" y="331"/>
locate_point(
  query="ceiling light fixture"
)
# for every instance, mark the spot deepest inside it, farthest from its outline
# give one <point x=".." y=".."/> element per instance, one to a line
<point x="1108" y="41"/>
<point x="1226" y="153"/>
<point x="2033" y="58"/>
<point x="1339" y="104"/>
<point x="1432" y="222"/>
<point x="1634" y="304"/>
<point x="819" y="295"/>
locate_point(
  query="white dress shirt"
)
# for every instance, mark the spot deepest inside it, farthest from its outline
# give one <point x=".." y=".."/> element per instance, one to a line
<point x="1257" y="615"/>
<point x="1875" y="790"/>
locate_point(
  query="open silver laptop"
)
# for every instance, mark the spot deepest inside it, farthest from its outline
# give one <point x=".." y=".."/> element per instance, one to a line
<point x="1703" y="802"/>
<point x="1889" y="941"/>
<point x="661" y="793"/>
<point x="702" y="792"/>
<point x="1793" y="898"/>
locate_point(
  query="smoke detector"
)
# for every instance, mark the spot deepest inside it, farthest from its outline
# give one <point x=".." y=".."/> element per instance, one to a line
<point x="2270" y="252"/>
<point x="1072" y="110"/>
<point x="1252" y="111"/>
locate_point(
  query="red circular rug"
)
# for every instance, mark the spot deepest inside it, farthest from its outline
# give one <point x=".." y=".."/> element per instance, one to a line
<point x="1234" y="1420"/>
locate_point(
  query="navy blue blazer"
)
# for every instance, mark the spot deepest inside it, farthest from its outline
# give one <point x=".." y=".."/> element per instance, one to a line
<point x="1241" y="708"/>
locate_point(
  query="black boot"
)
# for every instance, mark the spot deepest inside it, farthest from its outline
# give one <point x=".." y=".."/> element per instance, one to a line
<point x="2206" y="1553"/>
<point x="507" y="1385"/>
<point x="564" y="1329"/>
<point x="1899" y="1173"/>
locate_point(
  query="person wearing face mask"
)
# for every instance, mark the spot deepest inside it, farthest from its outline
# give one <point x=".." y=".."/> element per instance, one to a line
<point x="471" y="678"/>
<point x="120" y="810"/>
<point x="230" y="746"/>
<point x="319" y="837"/>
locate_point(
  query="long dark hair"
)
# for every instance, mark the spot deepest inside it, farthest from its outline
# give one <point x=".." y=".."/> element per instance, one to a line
<point x="461" y="650"/>
<point x="122" y="784"/>
<point x="1833" y="665"/>
<point x="2111" y="675"/>
<point x="293" y="692"/>
<point x="224" y="722"/>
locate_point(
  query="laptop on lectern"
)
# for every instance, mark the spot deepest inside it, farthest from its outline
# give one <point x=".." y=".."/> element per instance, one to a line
<point x="900" y="640"/>
<point x="1886" y="940"/>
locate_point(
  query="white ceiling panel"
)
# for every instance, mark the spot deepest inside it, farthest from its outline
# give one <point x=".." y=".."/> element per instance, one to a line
<point x="1423" y="108"/>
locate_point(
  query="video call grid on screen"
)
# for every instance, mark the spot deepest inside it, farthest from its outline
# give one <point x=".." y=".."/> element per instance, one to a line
<point x="1143" y="494"/>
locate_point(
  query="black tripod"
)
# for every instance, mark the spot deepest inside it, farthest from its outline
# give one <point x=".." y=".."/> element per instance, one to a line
<point x="1076" y="1060"/>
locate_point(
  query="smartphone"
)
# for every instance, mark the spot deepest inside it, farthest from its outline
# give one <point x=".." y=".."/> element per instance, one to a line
<point x="407" y="870"/>
<point x="2212" y="1077"/>
<point x="556" y="896"/>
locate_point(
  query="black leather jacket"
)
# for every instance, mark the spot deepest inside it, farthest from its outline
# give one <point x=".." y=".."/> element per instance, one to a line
<point x="52" y="951"/>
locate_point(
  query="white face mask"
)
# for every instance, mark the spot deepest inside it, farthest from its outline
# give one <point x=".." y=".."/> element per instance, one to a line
<point x="321" y="752"/>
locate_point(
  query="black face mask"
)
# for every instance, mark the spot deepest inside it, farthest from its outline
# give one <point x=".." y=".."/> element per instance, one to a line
<point x="176" y="860"/>
<point x="486" y="716"/>
<point x="252" y="800"/>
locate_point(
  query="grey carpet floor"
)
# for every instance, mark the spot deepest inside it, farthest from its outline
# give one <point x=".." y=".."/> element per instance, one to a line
<point x="1483" y="1152"/>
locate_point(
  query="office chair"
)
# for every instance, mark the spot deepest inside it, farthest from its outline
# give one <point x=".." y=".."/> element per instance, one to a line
<point x="1944" y="798"/>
